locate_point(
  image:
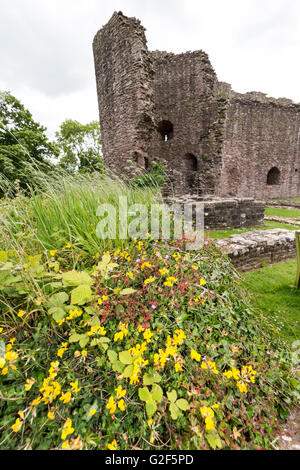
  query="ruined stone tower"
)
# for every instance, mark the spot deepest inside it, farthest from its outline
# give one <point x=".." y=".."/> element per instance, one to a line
<point x="158" y="106"/>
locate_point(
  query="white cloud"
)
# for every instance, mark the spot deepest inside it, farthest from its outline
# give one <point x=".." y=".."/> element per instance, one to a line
<point x="46" y="47"/>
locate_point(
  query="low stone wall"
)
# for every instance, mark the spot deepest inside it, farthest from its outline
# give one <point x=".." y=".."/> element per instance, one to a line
<point x="284" y="220"/>
<point x="226" y="213"/>
<point x="283" y="203"/>
<point x="250" y="250"/>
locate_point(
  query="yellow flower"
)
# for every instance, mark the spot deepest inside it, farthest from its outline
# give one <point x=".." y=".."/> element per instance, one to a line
<point x="2" y="362"/>
<point x="65" y="445"/>
<point x="209" y="424"/>
<point x="111" y="406"/>
<point x="130" y="275"/>
<point x="178" y="367"/>
<point x="170" y="281"/>
<point x="66" y="397"/>
<point x="36" y="401"/>
<point x="164" y="271"/>
<point x="53" y="252"/>
<point x="112" y="445"/>
<point x="67" y="429"/>
<point x="21" y="313"/>
<point x="150" y="422"/>
<point x="4" y="371"/>
<point x="21" y="414"/>
<point x="68" y="245"/>
<point x="62" y="349"/>
<point x="84" y="353"/>
<point x="50" y="415"/>
<point x="202" y="281"/>
<point x="121" y="405"/>
<point x="17" y="425"/>
<point x="92" y="411"/>
<point x="195" y="355"/>
<point x="1" y="329"/>
<point x="242" y="387"/>
<point x="75" y="386"/>
<point x="149" y="281"/>
<point x="120" y="393"/>
<point x="216" y="406"/>
<point x="228" y="374"/>
<point x="147" y="335"/>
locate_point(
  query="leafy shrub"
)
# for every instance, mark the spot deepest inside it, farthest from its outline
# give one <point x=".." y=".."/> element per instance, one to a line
<point x="151" y="347"/>
<point x="153" y="178"/>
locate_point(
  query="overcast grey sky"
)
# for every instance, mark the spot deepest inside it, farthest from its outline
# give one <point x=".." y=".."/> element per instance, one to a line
<point x="46" y="55"/>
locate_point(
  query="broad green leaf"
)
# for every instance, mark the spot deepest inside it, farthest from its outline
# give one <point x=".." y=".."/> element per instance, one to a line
<point x="127" y="291"/>
<point x="150" y="379"/>
<point x="75" y="278"/>
<point x="125" y="357"/>
<point x="214" y="440"/>
<point x="144" y="394"/>
<point x="84" y="340"/>
<point x="172" y="396"/>
<point x="182" y="404"/>
<point x="112" y="356"/>
<point x="81" y="295"/>
<point x="151" y="407"/>
<point x="57" y="313"/>
<point x="74" y="338"/>
<point x="128" y="371"/>
<point x="157" y="393"/>
<point x="106" y="258"/>
<point x="174" y="410"/>
<point x="57" y="300"/>
<point x="104" y="339"/>
<point x="118" y="367"/>
<point x="90" y="311"/>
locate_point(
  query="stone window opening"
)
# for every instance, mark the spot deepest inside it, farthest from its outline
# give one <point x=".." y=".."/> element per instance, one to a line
<point x="190" y="162"/>
<point x="165" y="128"/>
<point x="273" y="177"/>
<point x="142" y="162"/>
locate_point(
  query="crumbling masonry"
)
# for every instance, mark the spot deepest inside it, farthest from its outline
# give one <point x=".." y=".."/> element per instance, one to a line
<point x="158" y="106"/>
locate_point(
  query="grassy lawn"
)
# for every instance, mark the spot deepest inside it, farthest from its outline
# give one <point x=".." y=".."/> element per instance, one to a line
<point x="268" y="225"/>
<point x="278" y="212"/>
<point x="274" y="295"/>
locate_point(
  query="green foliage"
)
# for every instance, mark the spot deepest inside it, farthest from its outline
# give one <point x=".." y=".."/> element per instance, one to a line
<point x="65" y="211"/>
<point x="80" y="146"/>
<point x="152" y="178"/>
<point x="186" y="366"/>
<point x="23" y="144"/>
<point x="273" y="292"/>
<point x="281" y="212"/>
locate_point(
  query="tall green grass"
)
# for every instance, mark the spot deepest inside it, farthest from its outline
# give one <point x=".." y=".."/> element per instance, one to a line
<point x="62" y="209"/>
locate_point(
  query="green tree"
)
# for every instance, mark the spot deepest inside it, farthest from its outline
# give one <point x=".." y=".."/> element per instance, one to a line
<point x="80" y="146"/>
<point x="23" y="143"/>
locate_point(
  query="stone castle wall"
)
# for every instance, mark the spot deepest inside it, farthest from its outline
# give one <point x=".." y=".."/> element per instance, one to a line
<point x="158" y="106"/>
<point x="124" y="76"/>
<point x="260" y="134"/>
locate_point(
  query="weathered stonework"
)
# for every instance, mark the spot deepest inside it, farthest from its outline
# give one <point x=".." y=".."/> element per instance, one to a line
<point x="224" y="213"/>
<point x="158" y="106"/>
<point x="251" y="250"/>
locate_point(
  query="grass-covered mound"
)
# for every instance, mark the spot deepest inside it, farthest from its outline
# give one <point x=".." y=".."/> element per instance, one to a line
<point x="148" y="348"/>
